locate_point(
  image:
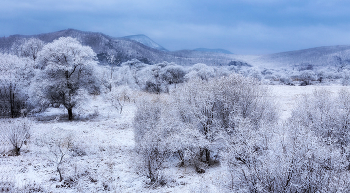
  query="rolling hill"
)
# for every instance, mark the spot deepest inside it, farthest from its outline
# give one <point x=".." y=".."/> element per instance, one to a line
<point x="146" y="50"/>
<point x="126" y="48"/>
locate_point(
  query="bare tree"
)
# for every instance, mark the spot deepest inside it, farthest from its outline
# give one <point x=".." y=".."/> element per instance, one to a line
<point x="59" y="146"/>
<point x="119" y="96"/>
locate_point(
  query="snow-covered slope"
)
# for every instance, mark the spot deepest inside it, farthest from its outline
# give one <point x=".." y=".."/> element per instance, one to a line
<point x="317" y="57"/>
<point x="145" y="41"/>
<point x="125" y="49"/>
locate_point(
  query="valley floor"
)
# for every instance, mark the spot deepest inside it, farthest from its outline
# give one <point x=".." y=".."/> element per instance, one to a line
<point x="287" y="96"/>
<point x="104" y="158"/>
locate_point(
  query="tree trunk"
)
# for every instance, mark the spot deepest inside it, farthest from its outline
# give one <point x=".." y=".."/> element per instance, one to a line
<point x="59" y="172"/>
<point x="12" y="102"/>
<point x="181" y="156"/>
<point x="150" y="172"/>
<point x="206" y="153"/>
<point x="17" y="151"/>
<point x="207" y="156"/>
<point x="70" y="114"/>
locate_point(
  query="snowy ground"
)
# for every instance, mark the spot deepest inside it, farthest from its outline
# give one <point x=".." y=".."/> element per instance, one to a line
<point x="104" y="158"/>
<point x="287" y="96"/>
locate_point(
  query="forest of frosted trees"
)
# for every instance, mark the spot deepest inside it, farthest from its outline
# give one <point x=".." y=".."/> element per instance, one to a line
<point x="200" y="117"/>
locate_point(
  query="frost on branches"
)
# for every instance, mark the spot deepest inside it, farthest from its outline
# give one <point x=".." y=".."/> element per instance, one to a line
<point x="15" y="76"/>
<point x="202" y="123"/>
<point x="28" y="48"/>
<point x="67" y="71"/>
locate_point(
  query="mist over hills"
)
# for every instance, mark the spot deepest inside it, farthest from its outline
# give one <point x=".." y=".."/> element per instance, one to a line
<point x="146" y="50"/>
<point x="317" y="57"/>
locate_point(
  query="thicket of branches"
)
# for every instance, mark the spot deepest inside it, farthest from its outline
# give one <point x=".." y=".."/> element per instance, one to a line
<point x="231" y="120"/>
<point x="199" y="121"/>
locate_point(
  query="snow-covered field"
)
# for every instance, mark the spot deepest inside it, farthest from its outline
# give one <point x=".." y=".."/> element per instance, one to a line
<point x="104" y="158"/>
<point x="286" y="96"/>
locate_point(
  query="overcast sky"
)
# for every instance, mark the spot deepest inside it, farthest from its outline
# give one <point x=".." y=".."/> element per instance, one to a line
<point x="240" y="26"/>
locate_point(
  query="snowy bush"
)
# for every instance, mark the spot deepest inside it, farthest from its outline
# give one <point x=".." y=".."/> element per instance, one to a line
<point x="307" y="76"/>
<point x="31" y="187"/>
<point x="286" y="80"/>
<point x="327" y="116"/>
<point x="308" y="153"/>
<point x="16" y="132"/>
<point x="214" y="108"/>
<point x="294" y="159"/>
<point x="255" y="73"/>
<point x="201" y="71"/>
<point x="149" y="138"/>
<point x="195" y="107"/>
<point x="119" y="96"/>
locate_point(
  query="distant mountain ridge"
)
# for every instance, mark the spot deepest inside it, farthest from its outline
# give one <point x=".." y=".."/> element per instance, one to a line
<point x="143" y="39"/>
<point x="126" y="48"/>
<point x="146" y="50"/>
<point x="318" y="57"/>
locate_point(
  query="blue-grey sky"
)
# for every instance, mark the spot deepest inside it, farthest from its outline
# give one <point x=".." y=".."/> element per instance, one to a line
<point x="240" y="26"/>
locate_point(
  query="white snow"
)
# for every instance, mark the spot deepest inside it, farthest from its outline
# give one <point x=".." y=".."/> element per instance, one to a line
<point x="287" y="96"/>
<point x="110" y="162"/>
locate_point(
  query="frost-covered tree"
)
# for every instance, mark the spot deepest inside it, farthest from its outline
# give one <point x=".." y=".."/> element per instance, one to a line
<point x="173" y="74"/>
<point x="28" y="48"/>
<point x="202" y="71"/>
<point x="107" y="77"/>
<point x="255" y="73"/>
<point x="67" y="70"/>
<point x="154" y="83"/>
<point x="159" y="134"/>
<point x="149" y="138"/>
<point x="217" y="107"/>
<point x="118" y="96"/>
<point x="307" y="76"/>
<point x="128" y="74"/>
<point x="15" y="77"/>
